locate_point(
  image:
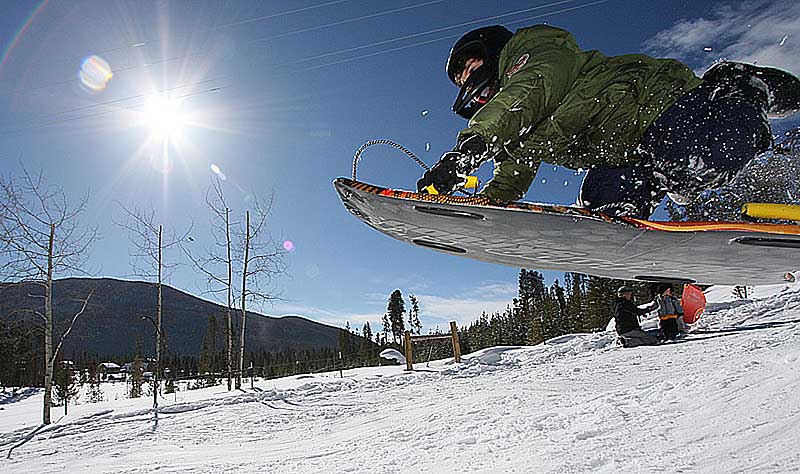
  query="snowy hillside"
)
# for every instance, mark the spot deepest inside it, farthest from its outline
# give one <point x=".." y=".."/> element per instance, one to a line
<point x="725" y="399"/>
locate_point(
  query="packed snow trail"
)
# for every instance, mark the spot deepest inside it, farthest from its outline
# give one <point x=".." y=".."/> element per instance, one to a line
<point x="725" y="399"/>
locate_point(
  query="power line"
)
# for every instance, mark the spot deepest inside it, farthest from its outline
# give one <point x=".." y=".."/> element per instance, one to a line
<point x="115" y="71"/>
<point x="275" y="15"/>
<point x="126" y="99"/>
<point x="105" y="112"/>
<point x="244" y="21"/>
<point x="435" y="30"/>
<point x="348" y="20"/>
<point x="422" y="43"/>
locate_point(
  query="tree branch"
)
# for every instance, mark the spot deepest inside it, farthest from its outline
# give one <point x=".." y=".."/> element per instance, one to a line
<point x="69" y="328"/>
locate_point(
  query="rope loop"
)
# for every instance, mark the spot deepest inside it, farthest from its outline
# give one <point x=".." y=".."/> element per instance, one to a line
<point x="383" y="141"/>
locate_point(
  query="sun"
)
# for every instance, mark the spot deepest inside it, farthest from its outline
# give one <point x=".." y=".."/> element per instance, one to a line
<point x="163" y="116"/>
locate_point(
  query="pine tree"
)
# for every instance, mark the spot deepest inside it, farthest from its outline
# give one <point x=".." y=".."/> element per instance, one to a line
<point x="347" y="345"/>
<point x="385" y="330"/>
<point x="526" y="326"/>
<point x="517" y="322"/>
<point x="95" y="393"/>
<point x="366" y="343"/>
<point x="367" y="331"/>
<point x="395" y="313"/>
<point x="135" y="378"/>
<point x="169" y="384"/>
<point x="209" y="354"/>
<point x="576" y="302"/>
<point x="414" y="323"/>
<point x="550" y="315"/>
<point x="600" y="295"/>
<point x="560" y="299"/>
<point x="66" y="384"/>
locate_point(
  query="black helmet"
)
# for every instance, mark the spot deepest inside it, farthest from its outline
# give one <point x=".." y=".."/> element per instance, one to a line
<point x="624" y="289"/>
<point x="485" y="43"/>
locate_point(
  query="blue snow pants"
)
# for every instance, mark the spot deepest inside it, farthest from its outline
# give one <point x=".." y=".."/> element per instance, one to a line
<point x="701" y="142"/>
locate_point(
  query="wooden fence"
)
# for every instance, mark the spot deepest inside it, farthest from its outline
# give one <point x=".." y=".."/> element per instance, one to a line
<point x="408" y="339"/>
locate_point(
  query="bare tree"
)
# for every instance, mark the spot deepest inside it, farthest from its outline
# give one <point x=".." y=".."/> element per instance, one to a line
<point x="41" y="237"/>
<point x="247" y="247"/>
<point x="216" y="263"/>
<point x="262" y="261"/>
<point x="148" y="244"/>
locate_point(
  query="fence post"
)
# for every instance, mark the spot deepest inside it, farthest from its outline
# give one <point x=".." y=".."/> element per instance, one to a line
<point x="456" y="343"/>
<point x="409" y="356"/>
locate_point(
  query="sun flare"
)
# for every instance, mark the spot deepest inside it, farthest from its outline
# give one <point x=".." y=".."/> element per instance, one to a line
<point x="163" y="116"/>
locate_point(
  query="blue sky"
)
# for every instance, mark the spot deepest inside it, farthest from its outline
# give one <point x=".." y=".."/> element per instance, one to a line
<point x="278" y="96"/>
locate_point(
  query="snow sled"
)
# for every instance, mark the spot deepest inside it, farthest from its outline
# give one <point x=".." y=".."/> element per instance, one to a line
<point x="563" y="238"/>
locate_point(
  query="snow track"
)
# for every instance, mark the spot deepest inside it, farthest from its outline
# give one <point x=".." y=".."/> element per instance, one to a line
<point x="725" y="399"/>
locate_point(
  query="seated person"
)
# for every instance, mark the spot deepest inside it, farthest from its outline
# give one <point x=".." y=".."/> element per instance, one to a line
<point x="626" y="317"/>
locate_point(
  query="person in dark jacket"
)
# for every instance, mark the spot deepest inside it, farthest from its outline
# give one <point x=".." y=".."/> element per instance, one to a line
<point x="626" y="318"/>
<point x="644" y="127"/>
<point x="670" y="312"/>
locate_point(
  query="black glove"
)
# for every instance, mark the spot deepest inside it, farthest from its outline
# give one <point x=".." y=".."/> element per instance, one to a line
<point x="444" y="176"/>
<point x="451" y="171"/>
<point x="474" y="146"/>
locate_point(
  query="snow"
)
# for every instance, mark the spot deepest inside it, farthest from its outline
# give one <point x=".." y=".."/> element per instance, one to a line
<point x="726" y="398"/>
<point x="392" y="354"/>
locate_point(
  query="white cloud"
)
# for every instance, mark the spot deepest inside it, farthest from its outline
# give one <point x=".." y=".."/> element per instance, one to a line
<point x="508" y="290"/>
<point x="764" y="32"/>
<point x="438" y="310"/>
<point x="435" y="310"/>
<point x="331" y="317"/>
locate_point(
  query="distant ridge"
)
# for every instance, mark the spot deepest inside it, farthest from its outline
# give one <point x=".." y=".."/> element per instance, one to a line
<point x="112" y="322"/>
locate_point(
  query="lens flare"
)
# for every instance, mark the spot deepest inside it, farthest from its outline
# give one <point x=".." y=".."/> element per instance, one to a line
<point x="95" y="73"/>
<point x="215" y="169"/>
<point x="288" y="246"/>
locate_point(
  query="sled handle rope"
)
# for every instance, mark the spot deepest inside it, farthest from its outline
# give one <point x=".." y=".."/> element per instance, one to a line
<point x="383" y="141"/>
<point x="471" y="182"/>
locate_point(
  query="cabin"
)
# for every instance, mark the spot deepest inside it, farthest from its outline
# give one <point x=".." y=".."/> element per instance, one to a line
<point x="110" y="371"/>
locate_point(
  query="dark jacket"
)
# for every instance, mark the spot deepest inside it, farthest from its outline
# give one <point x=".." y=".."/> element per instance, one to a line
<point x="626" y="314"/>
<point x="570" y="107"/>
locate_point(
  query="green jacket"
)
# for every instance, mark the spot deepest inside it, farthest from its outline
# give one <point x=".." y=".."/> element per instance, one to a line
<point x="570" y="107"/>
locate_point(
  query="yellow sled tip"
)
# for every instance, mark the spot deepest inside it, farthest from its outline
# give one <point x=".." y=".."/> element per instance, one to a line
<point x="472" y="182"/>
<point x="761" y="210"/>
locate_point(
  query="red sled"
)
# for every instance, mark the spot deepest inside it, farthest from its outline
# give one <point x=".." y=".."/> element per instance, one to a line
<point x="693" y="302"/>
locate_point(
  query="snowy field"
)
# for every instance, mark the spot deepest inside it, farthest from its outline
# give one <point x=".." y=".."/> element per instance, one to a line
<point x="725" y="399"/>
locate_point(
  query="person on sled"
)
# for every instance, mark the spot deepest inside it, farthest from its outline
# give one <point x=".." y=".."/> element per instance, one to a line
<point x="626" y="319"/>
<point x="643" y="127"/>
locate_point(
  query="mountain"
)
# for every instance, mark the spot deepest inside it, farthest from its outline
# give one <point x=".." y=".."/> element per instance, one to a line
<point x="113" y="322"/>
